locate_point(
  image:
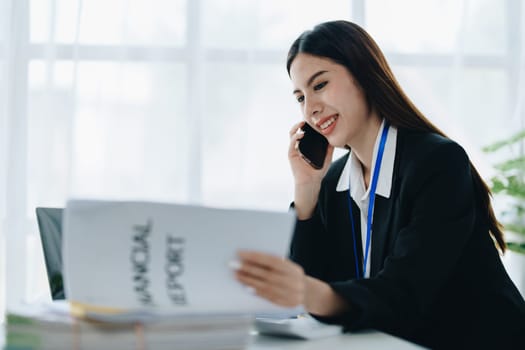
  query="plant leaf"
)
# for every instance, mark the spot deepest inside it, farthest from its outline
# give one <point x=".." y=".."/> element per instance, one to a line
<point x="500" y="144"/>
<point x="497" y="185"/>
<point x="512" y="164"/>
<point x="516" y="247"/>
<point x="516" y="187"/>
<point x="511" y="185"/>
<point x="519" y="229"/>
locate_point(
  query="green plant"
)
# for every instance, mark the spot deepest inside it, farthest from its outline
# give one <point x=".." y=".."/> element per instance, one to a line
<point x="509" y="183"/>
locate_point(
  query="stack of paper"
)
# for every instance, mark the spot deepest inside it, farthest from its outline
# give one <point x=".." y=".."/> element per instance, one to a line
<point x="45" y="327"/>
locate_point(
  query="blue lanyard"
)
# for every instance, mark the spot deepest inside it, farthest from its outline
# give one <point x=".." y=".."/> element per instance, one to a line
<point x="372" y="195"/>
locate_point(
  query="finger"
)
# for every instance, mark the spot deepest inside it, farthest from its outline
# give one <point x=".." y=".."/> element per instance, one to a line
<point x="258" y="287"/>
<point x="288" y="278"/>
<point x="275" y="293"/>
<point x="281" y="286"/>
<point x="294" y="143"/>
<point x="265" y="260"/>
<point x="259" y="272"/>
<point x="296" y="127"/>
<point x="281" y="283"/>
<point x="281" y="300"/>
<point x="287" y="275"/>
<point x="259" y="257"/>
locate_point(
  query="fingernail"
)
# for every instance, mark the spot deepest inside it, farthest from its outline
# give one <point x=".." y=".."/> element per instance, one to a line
<point x="234" y="264"/>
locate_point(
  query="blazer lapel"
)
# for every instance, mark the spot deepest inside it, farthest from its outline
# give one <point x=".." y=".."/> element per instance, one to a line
<point x="383" y="214"/>
<point x="380" y="230"/>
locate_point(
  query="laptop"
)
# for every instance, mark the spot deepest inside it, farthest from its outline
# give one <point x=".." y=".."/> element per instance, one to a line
<point x="50" y="227"/>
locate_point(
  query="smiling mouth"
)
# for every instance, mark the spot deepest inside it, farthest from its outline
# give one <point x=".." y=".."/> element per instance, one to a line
<point x="327" y="122"/>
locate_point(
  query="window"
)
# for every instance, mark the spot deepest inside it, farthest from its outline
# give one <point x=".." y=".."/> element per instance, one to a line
<point x="189" y="101"/>
<point x="153" y="100"/>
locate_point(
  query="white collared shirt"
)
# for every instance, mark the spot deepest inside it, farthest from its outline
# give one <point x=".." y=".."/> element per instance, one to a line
<point x="353" y="174"/>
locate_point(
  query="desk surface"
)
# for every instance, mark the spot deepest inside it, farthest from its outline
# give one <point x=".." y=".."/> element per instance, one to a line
<point x="364" y="341"/>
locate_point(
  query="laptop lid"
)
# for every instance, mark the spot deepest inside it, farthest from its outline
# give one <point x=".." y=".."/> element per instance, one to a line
<point x="50" y="227"/>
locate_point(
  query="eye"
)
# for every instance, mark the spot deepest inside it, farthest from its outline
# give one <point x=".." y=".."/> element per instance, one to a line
<point x="320" y="86"/>
<point x="300" y="99"/>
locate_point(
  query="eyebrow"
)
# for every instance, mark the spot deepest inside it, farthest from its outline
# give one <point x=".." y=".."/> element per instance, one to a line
<point x="310" y="81"/>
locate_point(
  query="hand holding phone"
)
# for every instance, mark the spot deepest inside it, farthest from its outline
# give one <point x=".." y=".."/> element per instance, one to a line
<point x="313" y="147"/>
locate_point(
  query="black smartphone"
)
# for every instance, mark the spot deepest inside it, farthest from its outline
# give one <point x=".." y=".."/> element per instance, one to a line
<point x="313" y="146"/>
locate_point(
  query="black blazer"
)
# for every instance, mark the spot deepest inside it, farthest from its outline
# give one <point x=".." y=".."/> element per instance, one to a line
<point x="435" y="275"/>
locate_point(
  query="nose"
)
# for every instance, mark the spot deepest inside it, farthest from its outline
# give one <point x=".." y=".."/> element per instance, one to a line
<point x="312" y="107"/>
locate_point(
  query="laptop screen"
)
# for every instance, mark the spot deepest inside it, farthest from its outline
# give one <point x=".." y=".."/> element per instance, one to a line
<point x="50" y="227"/>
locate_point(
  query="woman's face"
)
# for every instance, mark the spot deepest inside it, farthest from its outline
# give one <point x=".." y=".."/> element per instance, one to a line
<point x="331" y="100"/>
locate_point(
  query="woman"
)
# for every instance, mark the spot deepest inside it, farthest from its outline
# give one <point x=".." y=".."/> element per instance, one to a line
<point x="426" y="268"/>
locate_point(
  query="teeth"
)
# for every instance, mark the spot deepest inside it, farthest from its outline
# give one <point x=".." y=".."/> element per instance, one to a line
<point x="327" y="123"/>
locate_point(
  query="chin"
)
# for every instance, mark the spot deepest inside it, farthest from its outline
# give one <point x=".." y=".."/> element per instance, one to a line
<point x="336" y="142"/>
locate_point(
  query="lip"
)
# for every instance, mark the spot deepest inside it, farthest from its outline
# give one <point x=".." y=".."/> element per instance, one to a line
<point x="329" y="128"/>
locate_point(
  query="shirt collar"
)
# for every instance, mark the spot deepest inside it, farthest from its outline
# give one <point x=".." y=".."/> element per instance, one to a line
<point x="353" y="172"/>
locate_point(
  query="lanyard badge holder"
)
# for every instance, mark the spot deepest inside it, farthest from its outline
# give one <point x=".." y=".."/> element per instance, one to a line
<point x="371" y="202"/>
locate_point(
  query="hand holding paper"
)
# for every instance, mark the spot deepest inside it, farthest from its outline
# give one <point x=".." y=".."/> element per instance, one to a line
<point x="272" y="277"/>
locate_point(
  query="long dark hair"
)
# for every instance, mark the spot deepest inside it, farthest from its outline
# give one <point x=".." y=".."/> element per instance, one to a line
<point x="350" y="45"/>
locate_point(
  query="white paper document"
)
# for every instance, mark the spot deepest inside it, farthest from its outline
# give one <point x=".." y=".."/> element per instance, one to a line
<point x="166" y="257"/>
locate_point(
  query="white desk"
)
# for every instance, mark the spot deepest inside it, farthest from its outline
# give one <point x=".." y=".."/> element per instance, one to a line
<point x="361" y="341"/>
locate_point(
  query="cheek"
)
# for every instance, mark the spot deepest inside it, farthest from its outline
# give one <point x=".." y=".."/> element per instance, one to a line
<point x="335" y="98"/>
<point x="342" y="97"/>
<point x="355" y="103"/>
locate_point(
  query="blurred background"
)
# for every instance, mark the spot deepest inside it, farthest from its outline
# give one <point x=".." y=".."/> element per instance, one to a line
<point x="189" y="100"/>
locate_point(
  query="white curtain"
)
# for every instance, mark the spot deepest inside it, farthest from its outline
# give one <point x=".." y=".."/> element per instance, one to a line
<point x="164" y="100"/>
<point x="4" y="34"/>
<point x="189" y="100"/>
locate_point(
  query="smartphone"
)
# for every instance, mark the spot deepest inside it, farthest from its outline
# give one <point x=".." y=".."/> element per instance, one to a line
<point x="313" y="146"/>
